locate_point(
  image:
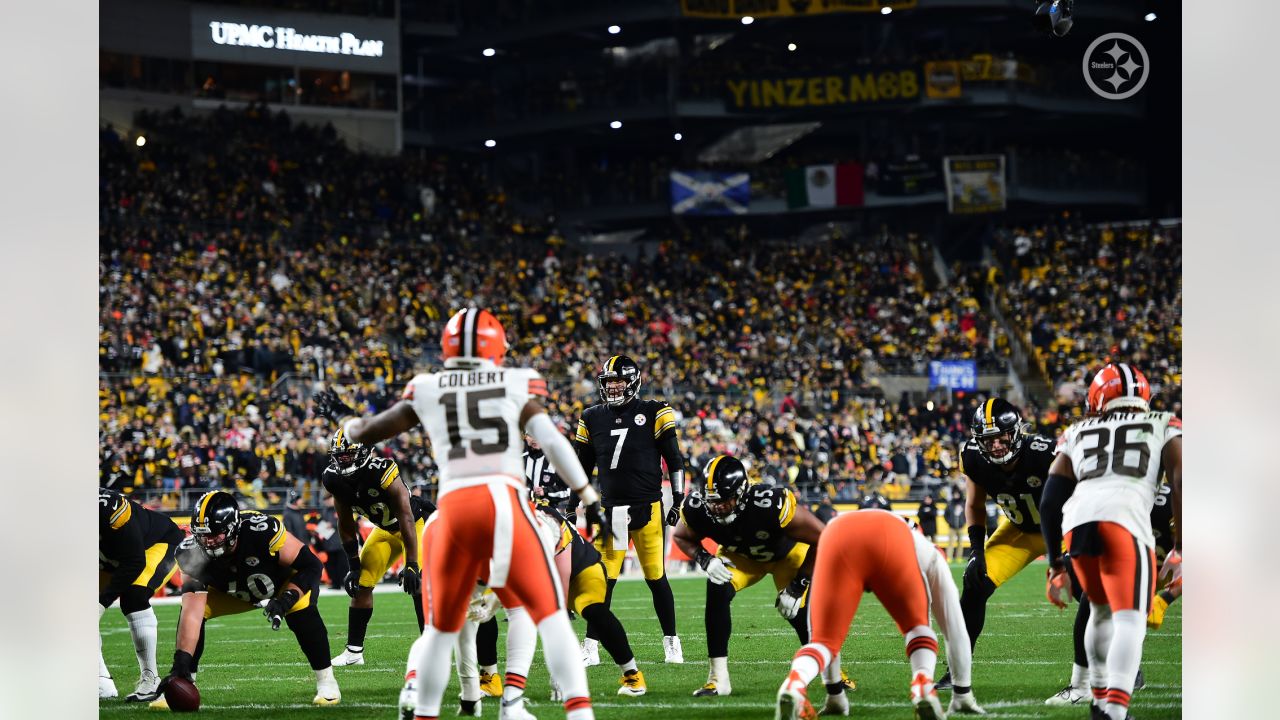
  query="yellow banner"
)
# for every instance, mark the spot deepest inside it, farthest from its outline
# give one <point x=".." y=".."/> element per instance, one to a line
<point x="735" y="9"/>
<point x="872" y="87"/>
<point x="942" y="79"/>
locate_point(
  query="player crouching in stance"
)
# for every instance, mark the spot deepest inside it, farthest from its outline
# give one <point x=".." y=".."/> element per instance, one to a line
<point x="136" y="548"/>
<point x="236" y="559"/>
<point x="1101" y="490"/>
<point x="474" y="412"/>
<point x="874" y="550"/>
<point x="761" y="530"/>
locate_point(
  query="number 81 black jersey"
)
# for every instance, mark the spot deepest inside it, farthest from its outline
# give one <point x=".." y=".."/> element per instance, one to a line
<point x="1016" y="490"/>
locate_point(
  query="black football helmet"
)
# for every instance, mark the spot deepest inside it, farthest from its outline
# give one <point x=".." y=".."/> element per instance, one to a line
<point x="619" y="367"/>
<point x="997" y="419"/>
<point x="113" y="509"/>
<point x="216" y="522"/>
<point x="1055" y="17"/>
<point x="348" y="456"/>
<point x="725" y="486"/>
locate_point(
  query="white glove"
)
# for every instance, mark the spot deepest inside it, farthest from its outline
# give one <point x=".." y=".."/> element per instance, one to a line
<point x="718" y="571"/>
<point x="482" y="607"/>
<point x="791" y="599"/>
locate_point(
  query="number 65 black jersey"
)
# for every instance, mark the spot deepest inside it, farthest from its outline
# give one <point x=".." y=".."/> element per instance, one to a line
<point x="757" y="532"/>
<point x="1015" y="489"/>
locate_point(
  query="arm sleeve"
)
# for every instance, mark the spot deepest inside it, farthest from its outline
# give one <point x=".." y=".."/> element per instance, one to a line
<point x="308" y="567"/>
<point x="126" y="546"/>
<point x="670" y="449"/>
<point x="1056" y="491"/>
<point x="558" y="450"/>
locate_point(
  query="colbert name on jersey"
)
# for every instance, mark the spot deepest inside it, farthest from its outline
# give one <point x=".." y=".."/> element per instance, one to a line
<point x="1016" y="487"/>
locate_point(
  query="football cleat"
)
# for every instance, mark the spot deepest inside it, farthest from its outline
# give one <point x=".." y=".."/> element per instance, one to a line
<point x="408" y="699"/>
<point x="944" y="683"/>
<point x="793" y="704"/>
<point x="849" y="683"/>
<point x="1069" y="695"/>
<point x="671" y="647"/>
<point x="148" y="688"/>
<point x="965" y="704"/>
<point x="106" y="688"/>
<point x="837" y="706"/>
<point x="925" y="699"/>
<point x="349" y="657"/>
<point x="491" y="684"/>
<point x="713" y="688"/>
<point x="327" y="692"/>
<point x="159" y="703"/>
<point x="632" y="683"/>
<point x="590" y="652"/>
<point x="468" y="708"/>
<point x="515" y="710"/>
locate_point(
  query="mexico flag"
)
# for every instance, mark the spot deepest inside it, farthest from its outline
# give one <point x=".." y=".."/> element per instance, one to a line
<point x="818" y="186"/>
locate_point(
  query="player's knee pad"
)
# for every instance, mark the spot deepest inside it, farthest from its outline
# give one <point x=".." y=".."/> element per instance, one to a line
<point x="135" y="598"/>
<point x="977" y="582"/>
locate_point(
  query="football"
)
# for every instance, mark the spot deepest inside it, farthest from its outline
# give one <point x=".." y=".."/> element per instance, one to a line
<point x="182" y="696"/>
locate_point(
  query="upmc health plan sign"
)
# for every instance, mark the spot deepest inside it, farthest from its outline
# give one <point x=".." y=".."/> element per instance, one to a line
<point x="266" y="37"/>
<point x="954" y="374"/>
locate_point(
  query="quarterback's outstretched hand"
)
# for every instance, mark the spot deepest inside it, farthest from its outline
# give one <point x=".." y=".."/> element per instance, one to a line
<point x="330" y="407"/>
<point x="596" y="516"/>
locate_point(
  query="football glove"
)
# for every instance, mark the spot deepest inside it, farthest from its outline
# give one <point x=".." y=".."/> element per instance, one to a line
<point x="411" y="578"/>
<point x="673" y="515"/>
<point x="596" y="516"/>
<point x="977" y="548"/>
<point x="1172" y="567"/>
<point x="791" y="599"/>
<point x="717" y="570"/>
<point x="276" y="609"/>
<point x="1058" y="588"/>
<point x="330" y="407"/>
<point x="351" y="582"/>
<point x="483" y="606"/>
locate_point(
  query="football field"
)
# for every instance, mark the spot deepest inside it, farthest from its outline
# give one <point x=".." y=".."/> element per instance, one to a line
<point x="1024" y="656"/>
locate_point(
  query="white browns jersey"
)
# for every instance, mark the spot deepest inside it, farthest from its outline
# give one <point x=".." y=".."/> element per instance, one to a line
<point x="1117" y="463"/>
<point x="472" y="416"/>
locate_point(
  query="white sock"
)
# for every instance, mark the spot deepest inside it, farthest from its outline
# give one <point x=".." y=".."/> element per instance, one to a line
<point x="591" y="645"/>
<point x="808" y="662"/>
<point x="720" y="669"/>
<point x="433" y="670"/>
<point x="1097" y="640"/>
<point x="628" y="666"/>
<point x="558" y="641"/>
<point x="831" y="673"/>
<point x="411" y="664"/>
<point x="1129" y="627"/>
<point x="325" y="677"/>
<point x="924" y="654"/>
<point x="465" y="659"/>
<point x="142" y="626"/>
<point x="488" y="669"/>
<point x="522" y="641"/>
<point x="1079" y="676"/>
<point x="102" y="663"/>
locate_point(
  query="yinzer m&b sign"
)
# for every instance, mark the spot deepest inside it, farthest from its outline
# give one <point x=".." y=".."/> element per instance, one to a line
<point x="869" y="87"/>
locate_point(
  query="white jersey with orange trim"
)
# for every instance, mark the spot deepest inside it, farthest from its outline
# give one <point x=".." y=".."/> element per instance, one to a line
<point x="472" y="414"/>
<point x="1116" y="458"/>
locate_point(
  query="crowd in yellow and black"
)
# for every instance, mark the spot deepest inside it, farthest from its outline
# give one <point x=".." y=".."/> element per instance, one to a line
<point x="246" y="261"/>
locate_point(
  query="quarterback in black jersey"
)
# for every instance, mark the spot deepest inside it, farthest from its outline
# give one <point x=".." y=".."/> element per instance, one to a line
<point x="1000" y="460"/>
<point x="761" y="530"/>
<point x="372" y="487"/>
<point x="625" y="440"/>
<point x="234" y="560"/>
<point x="136" y="548"/>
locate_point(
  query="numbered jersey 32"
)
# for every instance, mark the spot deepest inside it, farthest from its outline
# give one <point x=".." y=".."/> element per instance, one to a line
<point x="1116" y="459"/>
<point x="473" y="419"/>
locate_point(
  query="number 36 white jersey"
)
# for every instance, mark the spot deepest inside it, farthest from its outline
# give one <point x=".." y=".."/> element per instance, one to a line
<point x="1117" y="463"/>
<point x="472" y="415"/>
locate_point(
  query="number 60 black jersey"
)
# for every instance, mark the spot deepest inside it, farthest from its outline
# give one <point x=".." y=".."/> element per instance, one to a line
<point x="251" y="571"/>
<point x="1016" y="490"/>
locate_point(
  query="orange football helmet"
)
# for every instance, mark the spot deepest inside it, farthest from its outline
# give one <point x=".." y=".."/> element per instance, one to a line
<point x="474" y="333"/>
<point x="1118" y="385"/>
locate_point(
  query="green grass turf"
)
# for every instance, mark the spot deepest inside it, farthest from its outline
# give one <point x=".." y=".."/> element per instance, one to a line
<point x="1024" y="656"/>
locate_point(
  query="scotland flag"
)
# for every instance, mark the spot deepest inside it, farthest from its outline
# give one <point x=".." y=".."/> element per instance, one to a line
<point x="710" y="193"/>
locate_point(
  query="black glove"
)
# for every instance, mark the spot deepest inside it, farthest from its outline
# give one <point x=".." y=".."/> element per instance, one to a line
<point x="673" y="515"/>
<point x="351" y="582"/>
<point x="276" y="609"/>
<point x="977" y="547"/>
<point x="596" y="516"/>
<point x="330" y="407"/>
<point x="411" y="578"/>
<point x="181" y="668"/>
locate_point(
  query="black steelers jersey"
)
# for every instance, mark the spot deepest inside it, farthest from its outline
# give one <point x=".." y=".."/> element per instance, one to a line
<point x="582" y="554"/>
<point x="1162" y="519"/>
<point x="251" y="571"/>
<point x="366" y="491"/>
<point x="622" y="445"/>
<point x="1017" y="489"/>
<point x="126" y="529"/>
<point x="757" y="533"/>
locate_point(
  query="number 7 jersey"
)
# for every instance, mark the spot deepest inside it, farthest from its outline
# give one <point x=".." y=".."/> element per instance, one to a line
<point x="1117" y="462"/>
<point x="472" y="416"/>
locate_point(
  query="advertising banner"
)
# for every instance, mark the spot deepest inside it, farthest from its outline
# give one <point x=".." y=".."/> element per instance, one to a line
<point x="734" y="9"/>
<point x="953" y="374"/>
<point x="975" y="183"/>
<point x="880" y="86"/>
<point x="258" y="36"/>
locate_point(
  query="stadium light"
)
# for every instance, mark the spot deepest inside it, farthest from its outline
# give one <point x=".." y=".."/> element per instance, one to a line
<point x="614" y="29"/>
<point x="886" y="10"/>
<point x="678" y="136"/>
<point x="489" y="52"/>
<point x="791" y="47"/>
<point x="616" y="124"/>
<point x="141" y="141"/>
<point x="490" y="143"/>
<point x="929" y="406"/>
<point x="747" y="19"/>
<point x="1150" y="17"/>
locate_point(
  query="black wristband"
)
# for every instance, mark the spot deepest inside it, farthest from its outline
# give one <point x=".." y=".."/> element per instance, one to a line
<point x="290" y="598"/>
<point x="702" y="557"/>
<point x="797" y="586"/>
<point x="977" y="537"/>
<point x="181" y="663"/>
<point x="412" y="565"/>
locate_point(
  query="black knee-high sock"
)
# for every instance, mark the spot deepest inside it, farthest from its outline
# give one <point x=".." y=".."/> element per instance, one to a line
<point x="664" y="604"/>
<point x="313" y="636"/>
<point x="357" y="625"/>
<point x="417" y="610"/>
<point x="195" y="656"/>
<point x="719" y="620"/>
<point x="801" y="625"/>
<point x="608" y="602"/>
<point x="612" y="635"/>
<point x="1077" y="632"/>
<point x="978" y="588"/>
<point x="487" y="643"/>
